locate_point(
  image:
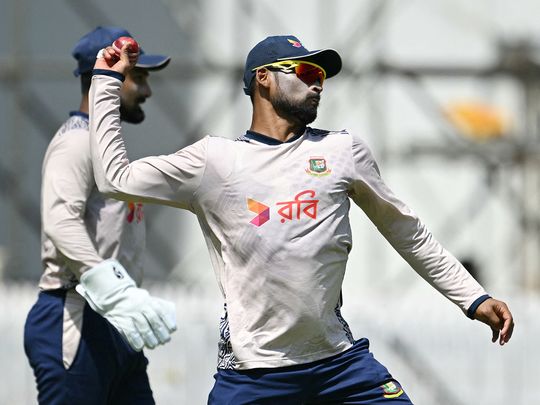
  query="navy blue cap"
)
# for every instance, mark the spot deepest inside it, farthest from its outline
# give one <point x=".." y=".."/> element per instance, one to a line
<point x="86" y="49"/>
<point x="285" y="47"/>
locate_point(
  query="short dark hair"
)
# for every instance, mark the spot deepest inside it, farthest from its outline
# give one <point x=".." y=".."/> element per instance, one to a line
<point x="251" y="89"/>
<point x="86" y="81"/>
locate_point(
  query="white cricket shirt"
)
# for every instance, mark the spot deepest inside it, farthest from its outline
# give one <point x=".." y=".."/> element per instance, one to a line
<point x="80" y="226"/>
<point x="275" y="219"/>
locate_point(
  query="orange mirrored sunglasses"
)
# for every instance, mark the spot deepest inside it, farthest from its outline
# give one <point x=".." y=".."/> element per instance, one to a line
<point x="308" y="72"/>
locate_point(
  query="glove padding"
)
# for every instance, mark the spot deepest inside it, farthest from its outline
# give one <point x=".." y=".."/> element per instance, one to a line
<point x="141" y="319"/>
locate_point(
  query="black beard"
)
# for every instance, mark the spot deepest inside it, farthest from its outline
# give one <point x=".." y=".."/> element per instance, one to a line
<point x="132" y="115"/>
<point x="302" y="113"/>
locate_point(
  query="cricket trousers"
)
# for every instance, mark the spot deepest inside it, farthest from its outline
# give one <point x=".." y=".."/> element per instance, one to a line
<point x="351" y="377"/>
<point x="78" y="357"/>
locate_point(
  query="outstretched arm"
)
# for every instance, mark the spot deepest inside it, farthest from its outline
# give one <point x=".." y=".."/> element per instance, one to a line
<point x="413" y="241"/>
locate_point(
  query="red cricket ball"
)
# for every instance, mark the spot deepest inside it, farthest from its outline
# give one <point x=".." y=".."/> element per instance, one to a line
<point x="119" y="43"/>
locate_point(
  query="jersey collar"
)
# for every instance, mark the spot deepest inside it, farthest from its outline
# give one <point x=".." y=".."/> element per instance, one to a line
<point x="79" y="114"/>
<point x="256" y="136"/>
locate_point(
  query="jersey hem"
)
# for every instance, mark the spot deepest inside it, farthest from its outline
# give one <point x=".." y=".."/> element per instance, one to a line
<point x="285" y="362"/>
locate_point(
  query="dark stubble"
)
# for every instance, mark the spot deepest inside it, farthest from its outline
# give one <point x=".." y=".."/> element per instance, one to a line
<point x="303" y="112"/>
<point x="133" y="115"/>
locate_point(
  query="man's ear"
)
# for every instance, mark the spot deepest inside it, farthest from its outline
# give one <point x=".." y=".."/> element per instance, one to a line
<point x="263" y="77"/>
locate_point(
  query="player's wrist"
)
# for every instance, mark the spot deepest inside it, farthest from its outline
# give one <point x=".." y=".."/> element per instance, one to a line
<point x="471" y="312"/>
<point x="109" y="72"/>
<point x="109" y="275"/>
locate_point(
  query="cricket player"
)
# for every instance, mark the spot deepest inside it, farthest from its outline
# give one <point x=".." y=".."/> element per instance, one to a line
<point x="85" y="348"/>
<point x="273" y="207"/>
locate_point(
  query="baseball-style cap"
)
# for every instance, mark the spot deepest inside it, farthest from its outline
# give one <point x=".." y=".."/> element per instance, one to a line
<point x="285" y="47"/>
<point x="86" y="49"/>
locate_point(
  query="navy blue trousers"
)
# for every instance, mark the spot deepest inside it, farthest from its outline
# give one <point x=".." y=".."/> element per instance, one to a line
<point x="352" y="377"/>
<point x="105" y="369"/>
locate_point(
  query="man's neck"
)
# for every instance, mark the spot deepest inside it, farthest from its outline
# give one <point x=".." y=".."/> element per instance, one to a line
<point x="269" y="123"/>
<point x="84" y="104"/>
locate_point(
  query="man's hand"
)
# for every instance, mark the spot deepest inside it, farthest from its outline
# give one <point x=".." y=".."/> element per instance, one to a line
<point x="140" y="318"/>
<point x="108" y="59"/>
<point x="496" y="315"/>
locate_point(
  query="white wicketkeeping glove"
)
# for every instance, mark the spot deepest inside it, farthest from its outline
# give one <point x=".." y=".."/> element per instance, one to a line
<point x="141" y="319"/>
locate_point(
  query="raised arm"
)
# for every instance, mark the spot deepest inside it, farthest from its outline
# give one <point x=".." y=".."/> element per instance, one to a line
<point x="142" y="319"/>
<point x="168" y="179"/>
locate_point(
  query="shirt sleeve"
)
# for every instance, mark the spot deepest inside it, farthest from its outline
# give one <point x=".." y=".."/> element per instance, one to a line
<point x="407" y="234"/>
<point x="168" y="179"/>
<point x="66" y="184"/>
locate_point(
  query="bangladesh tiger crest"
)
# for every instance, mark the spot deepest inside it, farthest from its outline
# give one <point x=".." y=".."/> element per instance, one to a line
<point x="318" y="167"/>
<point x="391" y="390"/>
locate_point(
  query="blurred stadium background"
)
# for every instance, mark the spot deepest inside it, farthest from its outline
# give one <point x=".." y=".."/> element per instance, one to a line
<point x="447" y="94"/>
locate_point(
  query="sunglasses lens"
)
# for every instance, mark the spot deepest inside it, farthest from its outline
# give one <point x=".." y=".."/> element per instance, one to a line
<point x="309" y="74"/>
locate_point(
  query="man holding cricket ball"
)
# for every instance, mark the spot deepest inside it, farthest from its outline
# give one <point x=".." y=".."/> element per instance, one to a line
<point x="273" y="207"/>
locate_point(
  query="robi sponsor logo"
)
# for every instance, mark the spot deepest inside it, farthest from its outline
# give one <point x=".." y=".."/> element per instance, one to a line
<point x="303" y="205"/>
<point x="300" y="205"/>
<point x="262" y="211"/>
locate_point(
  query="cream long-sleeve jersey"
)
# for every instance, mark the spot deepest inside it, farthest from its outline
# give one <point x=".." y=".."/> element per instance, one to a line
<point x="80" y="226"/>
<point x="275" y="219"/>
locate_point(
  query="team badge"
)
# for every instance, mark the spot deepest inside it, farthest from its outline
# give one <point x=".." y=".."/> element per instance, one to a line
<point x="317" y="167"/>
<point x="391" y="390"/>
<point x="294" y="43"/>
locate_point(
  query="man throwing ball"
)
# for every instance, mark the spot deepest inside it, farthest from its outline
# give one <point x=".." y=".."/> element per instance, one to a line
<point x="273" y="207"/>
